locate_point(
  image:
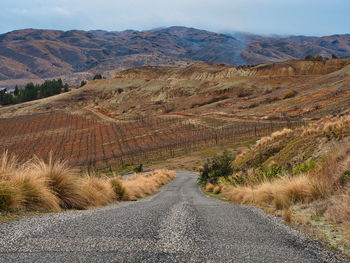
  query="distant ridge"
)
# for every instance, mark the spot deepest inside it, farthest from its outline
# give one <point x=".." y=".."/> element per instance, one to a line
<point x="36" y="54"/>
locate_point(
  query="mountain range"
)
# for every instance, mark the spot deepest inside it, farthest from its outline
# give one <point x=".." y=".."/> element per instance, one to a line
<point x="34" y="55"/>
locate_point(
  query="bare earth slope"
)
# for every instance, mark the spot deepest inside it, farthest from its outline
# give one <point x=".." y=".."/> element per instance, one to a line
<point x="179" y="224"/>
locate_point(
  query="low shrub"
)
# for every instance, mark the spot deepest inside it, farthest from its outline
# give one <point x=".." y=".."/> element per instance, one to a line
<point x="139" y="168"/>
<point x="290" y="94"/>
<point x="304" y="167"/>
<point x="215" y="168"/>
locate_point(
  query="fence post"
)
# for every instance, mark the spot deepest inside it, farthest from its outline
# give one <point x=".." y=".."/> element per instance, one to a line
<point x="271" y="124"/>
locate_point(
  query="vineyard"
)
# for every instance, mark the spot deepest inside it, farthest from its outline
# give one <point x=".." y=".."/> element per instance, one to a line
<point x="89" y="143"/>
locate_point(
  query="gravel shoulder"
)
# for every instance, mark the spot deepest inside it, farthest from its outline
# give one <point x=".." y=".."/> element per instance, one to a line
<point x="178" y="224"/>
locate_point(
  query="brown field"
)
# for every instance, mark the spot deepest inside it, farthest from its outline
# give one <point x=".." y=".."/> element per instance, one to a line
<point x="153" y="113"/>
<point x="90" y="143"/>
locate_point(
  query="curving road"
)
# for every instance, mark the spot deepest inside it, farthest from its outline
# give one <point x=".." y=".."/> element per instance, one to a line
<point x="179" y="224"/>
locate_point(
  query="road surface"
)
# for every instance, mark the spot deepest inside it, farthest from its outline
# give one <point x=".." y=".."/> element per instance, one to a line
<point x="178" y="224"/>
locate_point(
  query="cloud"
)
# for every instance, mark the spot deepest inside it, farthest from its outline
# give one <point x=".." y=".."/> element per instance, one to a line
<point x="258" y="16"/>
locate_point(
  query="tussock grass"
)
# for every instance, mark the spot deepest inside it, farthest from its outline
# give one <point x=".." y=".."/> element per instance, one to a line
<point x="63" y="181"/>
<point x="52" y="185"/>
<point x="274" y="136"/>
<point x="118" y="188"/>
<point x="34" y="191"/>
<point x="282" y="192"/>
<point x="140" y="185"/>
<point x="10" y="196"/>
<point x="209" y="187"/>
<point x="217" y="189"/>
<point x="97" y="191"/>
<point x="285" y="191"/>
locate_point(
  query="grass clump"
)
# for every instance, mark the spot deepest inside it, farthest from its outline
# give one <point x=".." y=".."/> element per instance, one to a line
<point x="97" y="191"/>
<point x="52" y="185"/>
<point x="209" y="187"/>
<point x="139" y="185"/>
<point x="10" y="196"/>
<point x="118" y="188"/>
<point x="63" y="181"/>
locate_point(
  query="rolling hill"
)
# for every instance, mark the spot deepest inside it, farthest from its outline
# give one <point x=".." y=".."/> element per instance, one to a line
<point x="294" y="89"/>
<point x="33" y="55"/>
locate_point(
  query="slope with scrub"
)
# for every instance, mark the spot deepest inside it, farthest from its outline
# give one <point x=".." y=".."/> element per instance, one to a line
<point x="301" y="174"/>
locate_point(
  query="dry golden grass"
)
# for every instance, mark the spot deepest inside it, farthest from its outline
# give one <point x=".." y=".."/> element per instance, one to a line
<point x="64" y="182"/>
<point x="140" y="185"/>
<point x="19" y="187"/>
<point x="288" y="190"/>
<point x="338" y="210"/>
<point x="97" y="191"/>
<point x="217" y="189"/>
<point x="52" y="186"/>
<point x="302" y="219"/>
<point x="274" y="136"/>
<point x="281" y="192"/>
<point x="118" y="188"/>
<point x="34" y="191"/>
<point x="327" y="125"/>
<point x="209" y="187"/>
<point x="8" y="165"/>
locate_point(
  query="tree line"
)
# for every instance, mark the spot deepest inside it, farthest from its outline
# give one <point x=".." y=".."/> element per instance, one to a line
<point x="318" y="57"/>
<point x="33" y="92"/>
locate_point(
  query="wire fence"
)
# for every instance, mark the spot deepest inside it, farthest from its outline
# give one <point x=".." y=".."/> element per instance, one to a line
<point x="94" y="144"/>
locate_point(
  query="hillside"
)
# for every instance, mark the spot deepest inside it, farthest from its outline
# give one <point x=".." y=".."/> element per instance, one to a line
<point x="294" y="89"/>
<point x="301" y="174"/>
<point x="31" y="55"/>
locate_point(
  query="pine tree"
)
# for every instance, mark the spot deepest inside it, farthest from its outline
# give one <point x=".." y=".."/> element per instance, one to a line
<point x="16" y="93"/>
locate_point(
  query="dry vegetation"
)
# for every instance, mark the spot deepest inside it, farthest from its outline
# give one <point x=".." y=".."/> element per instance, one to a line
<point x="140" y="185"/>
<point x="302" y="174"/>
<point x="297" y="88"/>
<point x="52" y="186"/>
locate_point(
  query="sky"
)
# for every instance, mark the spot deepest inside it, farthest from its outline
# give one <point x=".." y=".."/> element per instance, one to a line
<point x="282" y="17"/>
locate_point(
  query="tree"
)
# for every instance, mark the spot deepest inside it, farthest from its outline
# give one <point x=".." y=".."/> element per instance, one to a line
<point x="318" y="58"/>
<point x="334" y="56"/>
<point x="83" y="83"/>
<point x="29" y="93"/>
<point x="66" y="88"/>
<point x="309" y="57"/>
<point x="97" y="76"/>
<point x="16" y="92"/>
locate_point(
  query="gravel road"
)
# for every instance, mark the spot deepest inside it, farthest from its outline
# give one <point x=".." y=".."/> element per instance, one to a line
<point x="179" y="224"/>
